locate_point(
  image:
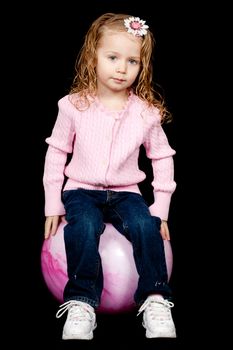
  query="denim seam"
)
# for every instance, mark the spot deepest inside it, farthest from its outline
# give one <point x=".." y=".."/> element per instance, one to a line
<point x="125" y="227"/>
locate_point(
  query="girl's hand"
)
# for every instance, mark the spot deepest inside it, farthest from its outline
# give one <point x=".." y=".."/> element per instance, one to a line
<point x="164" y="230"/>
<point x="51" y="225"/>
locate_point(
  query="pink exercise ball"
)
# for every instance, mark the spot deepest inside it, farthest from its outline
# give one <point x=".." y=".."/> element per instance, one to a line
<point x="120" y="274"/>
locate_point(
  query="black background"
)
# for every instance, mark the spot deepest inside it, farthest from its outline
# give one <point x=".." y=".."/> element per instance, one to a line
<point x="43" y="50"/>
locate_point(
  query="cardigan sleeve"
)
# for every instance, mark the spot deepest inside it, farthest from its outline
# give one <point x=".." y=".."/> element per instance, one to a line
<point x="60" y="143"/>
<point x="159" y="151"/>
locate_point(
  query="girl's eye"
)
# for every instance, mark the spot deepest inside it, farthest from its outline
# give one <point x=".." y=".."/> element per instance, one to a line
<point x="112" y="58"/>
<point x="131" y="61"/>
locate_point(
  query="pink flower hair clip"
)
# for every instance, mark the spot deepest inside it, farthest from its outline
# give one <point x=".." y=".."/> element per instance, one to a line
<point x="136" y="26"/>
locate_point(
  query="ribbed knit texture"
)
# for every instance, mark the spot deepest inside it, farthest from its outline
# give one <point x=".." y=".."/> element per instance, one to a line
<point x="105" y="148"/>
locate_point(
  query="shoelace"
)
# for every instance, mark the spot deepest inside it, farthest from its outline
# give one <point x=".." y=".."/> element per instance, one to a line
<point x="77" y="311"/>
<point x="158" y="308"/>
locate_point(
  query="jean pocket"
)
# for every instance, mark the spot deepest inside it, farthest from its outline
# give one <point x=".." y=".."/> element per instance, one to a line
<point x="67" y="195"/>
<point x="157" y="219"/>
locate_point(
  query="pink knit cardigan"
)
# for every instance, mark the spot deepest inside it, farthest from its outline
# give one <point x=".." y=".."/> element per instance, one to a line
<point x="105" y="148"/>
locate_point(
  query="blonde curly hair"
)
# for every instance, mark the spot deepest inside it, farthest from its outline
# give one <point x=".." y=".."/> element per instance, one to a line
<point x="84" y="82"/>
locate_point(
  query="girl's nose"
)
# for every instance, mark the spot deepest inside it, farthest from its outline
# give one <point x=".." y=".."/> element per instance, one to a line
<point x="121" y="67"/>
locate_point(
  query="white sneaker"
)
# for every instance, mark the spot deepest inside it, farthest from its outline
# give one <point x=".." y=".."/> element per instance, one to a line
<point x="157" y="318"/>
<point x="80" y="322"/>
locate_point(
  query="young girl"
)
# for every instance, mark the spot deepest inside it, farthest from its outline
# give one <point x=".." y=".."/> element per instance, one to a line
<point x="110" y="112"/>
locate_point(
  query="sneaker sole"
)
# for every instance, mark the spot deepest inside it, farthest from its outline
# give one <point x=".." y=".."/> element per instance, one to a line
<point x="88" y="336"/>
<point x="78" y="337"/>
<point x="159" y="335"/>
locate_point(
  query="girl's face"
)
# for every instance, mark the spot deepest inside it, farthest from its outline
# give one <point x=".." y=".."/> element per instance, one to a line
<point x="118" y="61"/>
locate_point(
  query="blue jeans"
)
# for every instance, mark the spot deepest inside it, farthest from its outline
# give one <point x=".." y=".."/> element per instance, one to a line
<point x="86" y="213"/>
